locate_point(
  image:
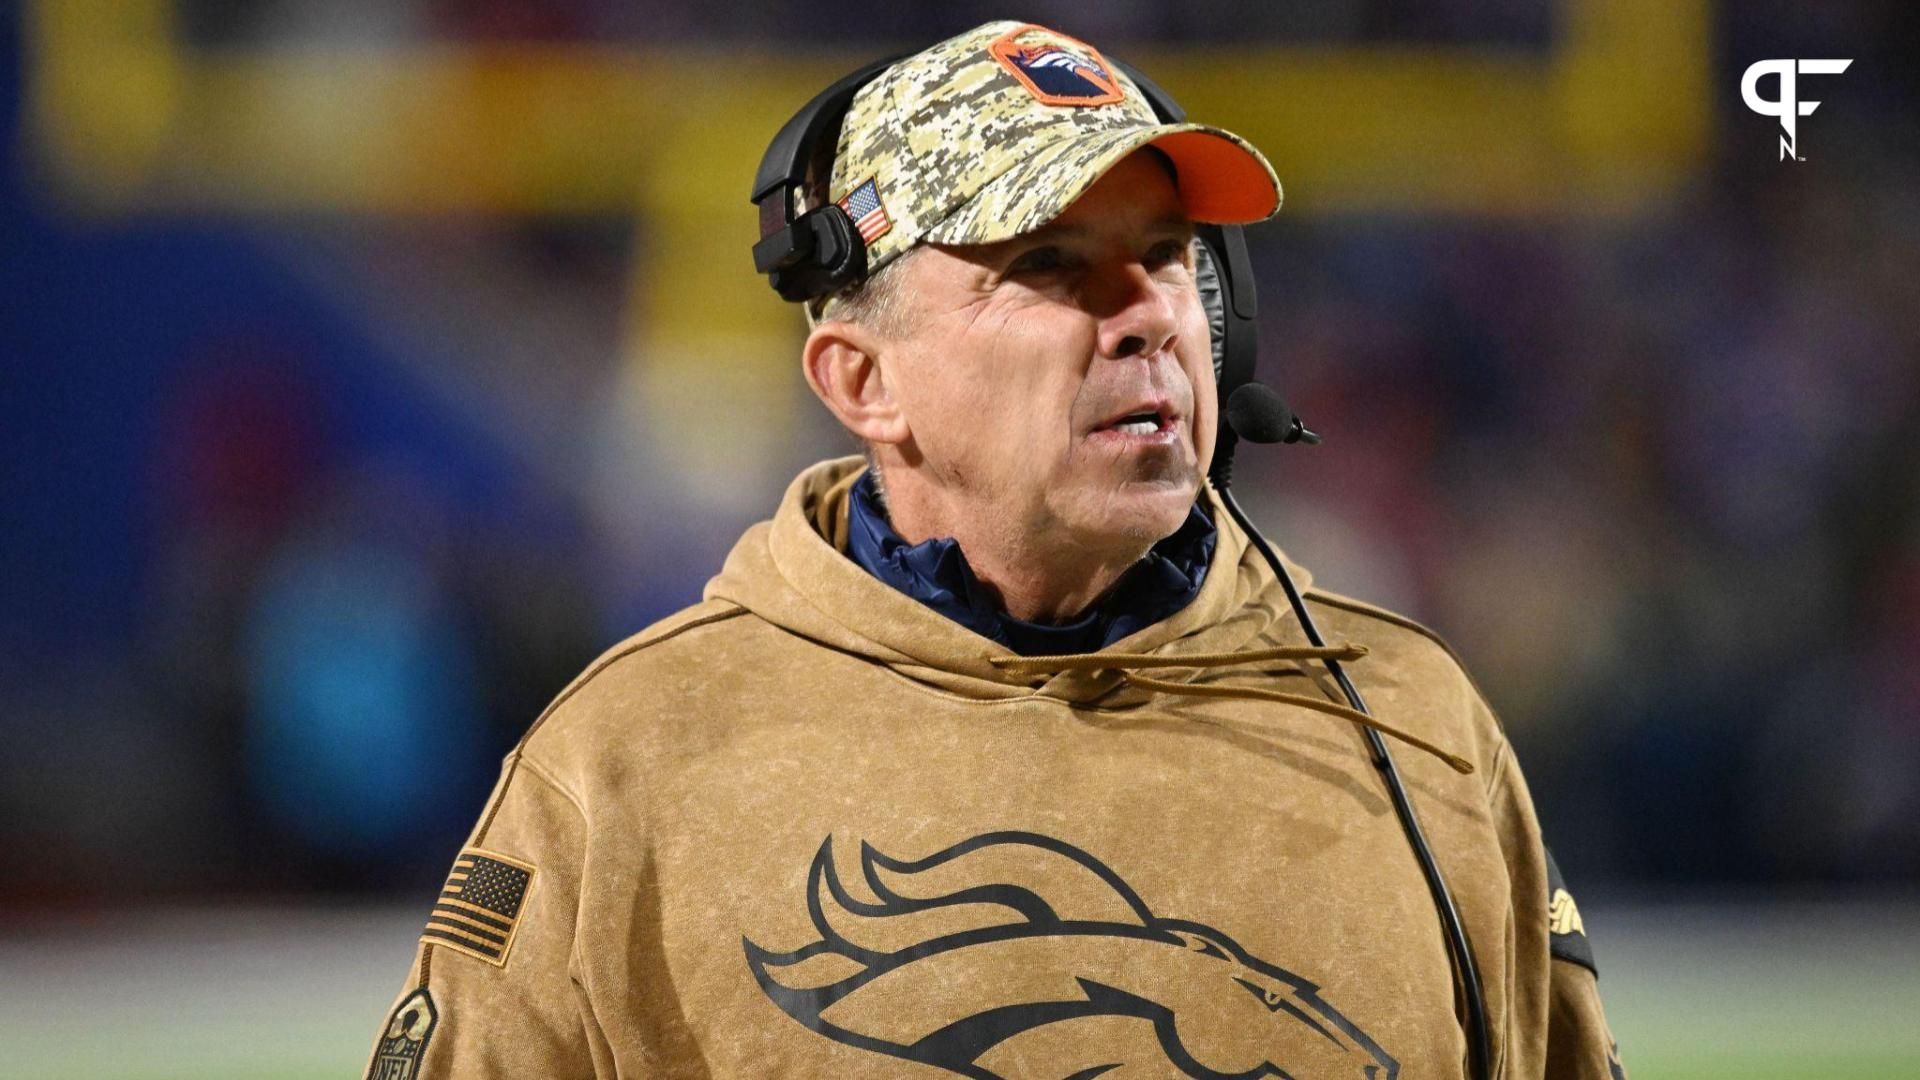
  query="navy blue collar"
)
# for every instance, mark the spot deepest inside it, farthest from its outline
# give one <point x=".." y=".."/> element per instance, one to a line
<point x="935" y="572"/>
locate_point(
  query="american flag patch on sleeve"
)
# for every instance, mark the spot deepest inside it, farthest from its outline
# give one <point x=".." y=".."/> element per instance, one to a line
<point x="862" y="204"/>
<point x="479" y="908"/>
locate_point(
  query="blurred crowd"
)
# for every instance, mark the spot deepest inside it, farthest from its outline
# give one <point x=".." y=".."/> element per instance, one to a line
<point x="623" y="21"/>
<point x="276" y="599"/>
<point x="1659" y="482"/>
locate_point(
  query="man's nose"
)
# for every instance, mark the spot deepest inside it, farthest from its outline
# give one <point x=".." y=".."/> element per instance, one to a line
<point x="1138" y="317"/>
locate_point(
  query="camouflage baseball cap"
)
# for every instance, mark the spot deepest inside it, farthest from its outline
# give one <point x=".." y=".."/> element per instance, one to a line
<point x="994" y="133"/>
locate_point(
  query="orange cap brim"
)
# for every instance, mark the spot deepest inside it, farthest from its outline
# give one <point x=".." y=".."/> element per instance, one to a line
<point x="1221" y="180"/>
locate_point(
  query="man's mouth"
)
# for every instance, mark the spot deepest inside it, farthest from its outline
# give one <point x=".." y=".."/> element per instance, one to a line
<point x="1138" y="424"/>
<point x="1141" y="420"/>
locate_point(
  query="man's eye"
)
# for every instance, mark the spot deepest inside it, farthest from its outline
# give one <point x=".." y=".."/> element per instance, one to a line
<point x="1168" y="253"/>
<point x="1038" y="260"/>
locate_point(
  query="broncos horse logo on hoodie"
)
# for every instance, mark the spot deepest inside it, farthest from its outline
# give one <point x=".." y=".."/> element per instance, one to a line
<point x="1015" y="954"/>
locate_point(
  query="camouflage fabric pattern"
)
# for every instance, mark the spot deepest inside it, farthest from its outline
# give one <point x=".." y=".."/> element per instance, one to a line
<point x="963" y="153"/>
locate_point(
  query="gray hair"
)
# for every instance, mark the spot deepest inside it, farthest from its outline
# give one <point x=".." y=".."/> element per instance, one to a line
<point x="877" y="302"/>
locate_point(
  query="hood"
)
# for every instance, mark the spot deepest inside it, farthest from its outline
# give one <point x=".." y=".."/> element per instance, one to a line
<point x="793" y="572"/>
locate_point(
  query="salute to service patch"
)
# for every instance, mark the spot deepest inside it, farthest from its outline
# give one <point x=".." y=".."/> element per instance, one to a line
<point x="479" y="909"/>
<point x="1568" y="934"/>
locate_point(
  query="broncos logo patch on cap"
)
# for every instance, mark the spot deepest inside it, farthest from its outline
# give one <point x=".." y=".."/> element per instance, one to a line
<point x="1055" y="73"/>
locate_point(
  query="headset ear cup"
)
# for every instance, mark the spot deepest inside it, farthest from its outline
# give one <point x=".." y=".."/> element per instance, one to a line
<point x="1206" y="279"/>
<point x="1206" y="276"/>
<point x="840" y="252"/>
<point x="822" y="252"/>
<point x="1223" y="275"/>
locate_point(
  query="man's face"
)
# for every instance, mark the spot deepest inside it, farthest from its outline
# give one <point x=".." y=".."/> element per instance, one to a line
<point x="1062" y="381"/>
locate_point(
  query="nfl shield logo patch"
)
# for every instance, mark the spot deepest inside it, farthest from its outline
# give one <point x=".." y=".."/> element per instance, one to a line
<point x="1057" y="69"/>
<point x="404" y="1042"/>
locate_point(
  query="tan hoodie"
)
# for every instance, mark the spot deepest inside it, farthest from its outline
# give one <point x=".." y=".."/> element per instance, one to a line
<point x="810" y="828"/>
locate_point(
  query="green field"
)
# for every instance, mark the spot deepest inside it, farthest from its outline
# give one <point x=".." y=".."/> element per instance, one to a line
<point x="1694" y="992"/>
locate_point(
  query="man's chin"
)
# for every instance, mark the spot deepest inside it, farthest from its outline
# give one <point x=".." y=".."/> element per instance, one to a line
<point x="1141" y="513"/>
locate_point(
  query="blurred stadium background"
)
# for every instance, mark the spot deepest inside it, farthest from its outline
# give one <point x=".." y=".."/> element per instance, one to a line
<point x="366" y="366"/>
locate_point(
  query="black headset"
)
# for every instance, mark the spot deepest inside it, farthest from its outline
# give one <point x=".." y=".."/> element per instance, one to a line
<point x="819" y="252"/>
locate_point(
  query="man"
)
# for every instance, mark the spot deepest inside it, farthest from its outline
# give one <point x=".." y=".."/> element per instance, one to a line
<point x="870" y="809"/>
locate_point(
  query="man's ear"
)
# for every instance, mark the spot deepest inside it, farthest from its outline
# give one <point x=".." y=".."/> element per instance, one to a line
<point x="842" y="361"/>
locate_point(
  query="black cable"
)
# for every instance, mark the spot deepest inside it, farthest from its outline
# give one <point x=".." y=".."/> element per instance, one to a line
<point x="1479" y="1044"/>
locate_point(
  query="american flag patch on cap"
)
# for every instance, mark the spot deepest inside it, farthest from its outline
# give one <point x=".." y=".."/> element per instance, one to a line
<point x="479" y="908"/>
<point x="862" y="204"/>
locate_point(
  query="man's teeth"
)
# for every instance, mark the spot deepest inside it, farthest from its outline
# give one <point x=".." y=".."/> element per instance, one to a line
<point x="1137" y="427"/>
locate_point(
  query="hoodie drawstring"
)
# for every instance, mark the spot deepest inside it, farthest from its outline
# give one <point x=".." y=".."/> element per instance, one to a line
<point x="1127" y="665"/>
